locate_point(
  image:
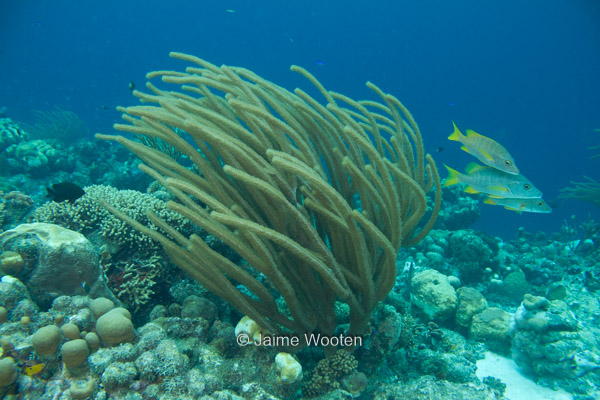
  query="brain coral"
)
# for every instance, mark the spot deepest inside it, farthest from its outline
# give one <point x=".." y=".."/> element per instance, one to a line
<point x="87" y="216"/>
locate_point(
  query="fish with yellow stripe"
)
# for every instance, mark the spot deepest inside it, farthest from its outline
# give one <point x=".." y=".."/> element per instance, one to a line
<point x="487" y="150"/>
<point x="493" y="182"/>
<point x="520" y="205"/>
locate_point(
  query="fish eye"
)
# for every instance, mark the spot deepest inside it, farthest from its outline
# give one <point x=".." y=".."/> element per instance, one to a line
<point x="527" y="186"/>
<point x="508" y="163"/>
<point x="540" y="203"/>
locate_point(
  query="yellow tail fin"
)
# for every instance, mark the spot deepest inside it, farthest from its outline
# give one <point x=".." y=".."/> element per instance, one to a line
<point x="453" y="177"/>
<point x="456" y="134"/>
<point x="490" y="201"/>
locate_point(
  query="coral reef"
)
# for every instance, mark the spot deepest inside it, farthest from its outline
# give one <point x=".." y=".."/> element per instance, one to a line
<point x="427" y="387"/>
<point x="459" y="210"/>
<point x="188" y="348"/>
<point x="15" y="206"/>
<point x="88" y="216"/>
<point x="157" y="335"/>
<point x="46" y="250"/>
<point x="433" y="295"/>
<point x="134" y="282"/>
<point x="11" y="133"/>
<point x="492" y="326"/>
<point x="550" y="343"/>
<point x="328" y="373"/>
<point x="39" y="158"/>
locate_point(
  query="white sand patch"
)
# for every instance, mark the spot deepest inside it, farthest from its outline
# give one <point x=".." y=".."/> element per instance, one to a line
<point x="518" y="387"/>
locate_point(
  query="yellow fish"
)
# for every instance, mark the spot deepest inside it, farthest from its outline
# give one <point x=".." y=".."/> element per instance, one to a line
<point x="487" y="150"/>
<point x="34" y="369"/>
<point x="493" y="182"/>
<point x="520" y="205"/>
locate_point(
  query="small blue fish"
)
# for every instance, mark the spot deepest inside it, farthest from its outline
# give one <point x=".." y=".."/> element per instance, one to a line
<point x="319" y="63"/>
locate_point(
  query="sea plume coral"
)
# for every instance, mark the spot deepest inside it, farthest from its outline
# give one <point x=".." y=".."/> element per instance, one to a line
<point x="316" y="199"/>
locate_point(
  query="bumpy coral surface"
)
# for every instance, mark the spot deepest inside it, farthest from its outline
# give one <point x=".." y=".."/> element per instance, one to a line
<point x="87" y="215"/>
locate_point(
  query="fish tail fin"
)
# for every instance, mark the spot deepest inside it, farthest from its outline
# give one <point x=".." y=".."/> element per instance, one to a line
<point x="456" y="135"/>
<point x="489" y="200"/>
<point x="50" y="192"/>
<point x="453" y="177"/>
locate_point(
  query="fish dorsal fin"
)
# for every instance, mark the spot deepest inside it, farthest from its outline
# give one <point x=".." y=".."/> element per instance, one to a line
<point x="471" y="134"/>
<point x="473" y="167"/>
<point x="489" y="200"/>
<point x="471" y="190"/>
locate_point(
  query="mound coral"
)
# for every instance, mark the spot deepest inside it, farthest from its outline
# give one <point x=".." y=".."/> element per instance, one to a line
<point x="37" y="157"/>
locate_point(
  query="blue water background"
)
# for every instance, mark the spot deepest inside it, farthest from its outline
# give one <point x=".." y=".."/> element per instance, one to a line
<point x="523" y="72"/>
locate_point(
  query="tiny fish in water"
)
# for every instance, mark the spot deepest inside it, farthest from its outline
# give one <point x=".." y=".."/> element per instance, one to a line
<point x="104" y="107"/>
<point x="487" y="150"/>
<point x="86" y="288"/>
<point x="131" y="85"/>
<point x="34" y="369"/>
<point x="520" y="205"/>
<point x="439" y="149"/>
<point x="230" y="10"/>
<point x="65" y="191"/>
<point x="319" y="63"/>
<point x="493" y="182"/>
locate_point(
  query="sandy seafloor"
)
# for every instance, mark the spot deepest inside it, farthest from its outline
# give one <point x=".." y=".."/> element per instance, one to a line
<point x="518" y="386"/>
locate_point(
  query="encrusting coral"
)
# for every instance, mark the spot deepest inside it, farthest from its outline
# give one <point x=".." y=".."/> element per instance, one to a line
<point x="318" y="199"/>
